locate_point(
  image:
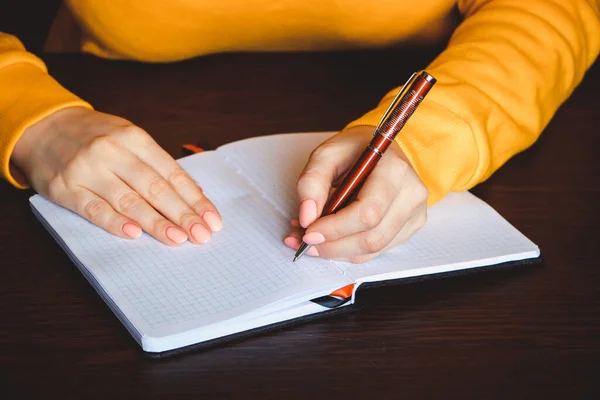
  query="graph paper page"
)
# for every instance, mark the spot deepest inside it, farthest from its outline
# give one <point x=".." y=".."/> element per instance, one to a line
<point x="273" y="163"/>
<point x="163" y="290"/>
<point x="461" y="231"/>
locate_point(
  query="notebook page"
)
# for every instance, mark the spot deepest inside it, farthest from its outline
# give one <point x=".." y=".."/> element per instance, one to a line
<point x="164" y="290"/>
<point x="461" y="232"/>
<point x="273" y="163"/>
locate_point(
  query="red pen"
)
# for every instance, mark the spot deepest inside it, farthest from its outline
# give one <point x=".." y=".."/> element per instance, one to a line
<point x="404" y="105"/>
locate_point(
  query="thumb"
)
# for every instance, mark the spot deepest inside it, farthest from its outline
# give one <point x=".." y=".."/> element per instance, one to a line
<point x="326" y="164"/>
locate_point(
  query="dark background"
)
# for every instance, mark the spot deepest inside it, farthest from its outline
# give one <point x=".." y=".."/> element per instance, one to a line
<point x="29" y="20"/>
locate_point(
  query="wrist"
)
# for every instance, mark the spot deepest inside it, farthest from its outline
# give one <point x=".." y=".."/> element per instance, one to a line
<point x="35" y="140"/>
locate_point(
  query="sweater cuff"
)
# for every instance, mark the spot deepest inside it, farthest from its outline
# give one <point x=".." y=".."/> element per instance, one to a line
<point x="439" y="144"/>
<point x="28" y="95"/>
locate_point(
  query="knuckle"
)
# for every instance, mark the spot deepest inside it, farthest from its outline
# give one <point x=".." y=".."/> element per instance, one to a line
<point x="111" y="220"/>
<point x="94" y="210"/>
<point x="188" y="217"/>
<point x="158" y="187"/>
<point x="141" y="138"/>
<point x="323" y="150"/>
<point x="99" y="145"/>
<point x="133" y="164"/>
<point x="179" y="177"/>
<point x="373" y="242"/>
<point x="370" y="214"/>
<point x="54" y="188"/>
<point x="421" y="193"/>
<point x="403" y="167"/>
<point x="202" y="205"/>
<point x="129" y="201"/>
<point x="132" y="131"/>
<point x="158" y="226"/>
<point x="97" y="149"/>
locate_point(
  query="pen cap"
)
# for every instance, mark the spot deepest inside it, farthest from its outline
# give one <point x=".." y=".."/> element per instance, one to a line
<point x="405" y="104"/>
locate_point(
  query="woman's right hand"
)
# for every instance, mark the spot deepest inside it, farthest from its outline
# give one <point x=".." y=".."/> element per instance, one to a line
<point x="115" y="175"/>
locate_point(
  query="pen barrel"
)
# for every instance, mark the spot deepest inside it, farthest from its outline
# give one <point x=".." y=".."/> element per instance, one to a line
<point x="407" y="105"/>
<point x="400" y="110"/>
<point x="346" y="192"/>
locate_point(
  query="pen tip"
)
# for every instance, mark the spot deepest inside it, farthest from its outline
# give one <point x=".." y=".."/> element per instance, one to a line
<point x="301" y="250"/>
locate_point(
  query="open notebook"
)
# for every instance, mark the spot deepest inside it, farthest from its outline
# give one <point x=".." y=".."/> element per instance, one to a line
<point x="244" y="279"/>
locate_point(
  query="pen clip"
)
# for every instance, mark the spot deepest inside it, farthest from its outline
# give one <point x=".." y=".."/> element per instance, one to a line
<point x="395" y="101"/>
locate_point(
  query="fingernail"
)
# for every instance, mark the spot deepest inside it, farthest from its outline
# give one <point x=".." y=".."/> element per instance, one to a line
<point x="213" y="220"/>
<point x="200" y="233"/>
<point x="308" y="212"/>
<point x="292" y="242"/>
<point x="313" y="238"/>
<point x="295" y="223"/>
<point x="176" y="235"/>
<point x="132" y="230"/>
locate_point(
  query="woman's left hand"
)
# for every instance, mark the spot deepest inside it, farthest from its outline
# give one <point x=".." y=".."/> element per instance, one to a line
<point x="390" y="207"/>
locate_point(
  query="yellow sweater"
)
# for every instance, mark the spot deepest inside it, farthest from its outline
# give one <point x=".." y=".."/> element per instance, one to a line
<point x="508" y="67"/>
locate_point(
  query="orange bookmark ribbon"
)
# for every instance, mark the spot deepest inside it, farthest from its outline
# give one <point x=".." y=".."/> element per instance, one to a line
<point x="336" y="298"/>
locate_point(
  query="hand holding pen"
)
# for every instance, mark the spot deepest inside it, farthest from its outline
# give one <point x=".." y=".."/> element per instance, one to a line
<point x="372" y="209"/>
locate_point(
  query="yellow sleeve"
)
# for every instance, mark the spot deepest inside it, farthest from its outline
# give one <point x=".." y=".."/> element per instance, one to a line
<point x="27" y="95"/>
<point x="507" y="68"/>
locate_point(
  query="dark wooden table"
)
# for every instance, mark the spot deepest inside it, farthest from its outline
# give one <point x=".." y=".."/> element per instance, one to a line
<point x="532" y="332"/>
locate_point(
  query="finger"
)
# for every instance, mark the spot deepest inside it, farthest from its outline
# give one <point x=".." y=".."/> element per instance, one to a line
<point x="192" y="194"/>
<point x="368" y="242"/>
<point x="296" y="231"/>
<point x="412" y="226"/>
<point x="372" y="204"/>
<point x="182" y="183"/>
<point x="158" y="193"/>
<point x="99" y="212"/>
<point x="368" y="245"/>
<point x="326" y="163"/>
<point x="294" y="242"/>
<point x="129" y="203"/>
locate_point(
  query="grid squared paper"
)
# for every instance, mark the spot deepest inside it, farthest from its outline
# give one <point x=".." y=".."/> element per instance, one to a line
<point x="243" y="267"/>
<point x="165" y="291"/>
<point x="273" y="164"/>
<point x="461" y="229"/>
